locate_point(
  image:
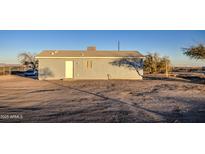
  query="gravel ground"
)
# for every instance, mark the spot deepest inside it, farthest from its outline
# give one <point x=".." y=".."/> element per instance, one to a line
<point x="28" y="100"/>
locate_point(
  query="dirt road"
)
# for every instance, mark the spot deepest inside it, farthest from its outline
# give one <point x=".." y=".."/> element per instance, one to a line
<point x="27" y="100"/>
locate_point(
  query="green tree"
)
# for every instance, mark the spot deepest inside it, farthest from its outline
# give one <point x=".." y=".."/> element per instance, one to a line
<point x="195" y="52"/>
<point x="154" y="63"/>
<point x="164" y="65"/>
<point x="151" y="61"/>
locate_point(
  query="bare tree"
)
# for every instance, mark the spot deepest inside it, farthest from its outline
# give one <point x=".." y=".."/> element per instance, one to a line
<point x="28" y="59"/>
<point x="132" y="63"/>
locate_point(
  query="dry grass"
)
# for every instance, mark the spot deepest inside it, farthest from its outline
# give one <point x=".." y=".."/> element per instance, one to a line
<point x="101" y="101"/>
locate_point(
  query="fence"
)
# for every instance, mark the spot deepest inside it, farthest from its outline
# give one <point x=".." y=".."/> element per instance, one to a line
<point x="6" y="70"/>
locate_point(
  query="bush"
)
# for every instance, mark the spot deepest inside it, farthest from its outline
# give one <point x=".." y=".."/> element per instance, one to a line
<point x="154" y="63"/>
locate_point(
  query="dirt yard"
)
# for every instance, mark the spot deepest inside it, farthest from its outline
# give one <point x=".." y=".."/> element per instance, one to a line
<point x="28" y="100"/>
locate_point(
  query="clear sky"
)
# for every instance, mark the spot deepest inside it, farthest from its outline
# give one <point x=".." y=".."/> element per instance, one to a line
<point x="167" y="43"/>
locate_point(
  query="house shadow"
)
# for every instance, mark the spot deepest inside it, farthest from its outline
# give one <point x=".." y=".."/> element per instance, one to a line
<point x="195" y="114"/>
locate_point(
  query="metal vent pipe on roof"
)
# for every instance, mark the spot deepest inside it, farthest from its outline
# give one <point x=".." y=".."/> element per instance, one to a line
<point x="91" y="48"/>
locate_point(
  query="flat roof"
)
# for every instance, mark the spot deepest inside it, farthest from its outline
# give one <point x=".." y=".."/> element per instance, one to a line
<point x="79" y="53"/>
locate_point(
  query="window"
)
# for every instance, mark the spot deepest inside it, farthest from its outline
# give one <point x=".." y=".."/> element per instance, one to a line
<point x="89" y="64"/>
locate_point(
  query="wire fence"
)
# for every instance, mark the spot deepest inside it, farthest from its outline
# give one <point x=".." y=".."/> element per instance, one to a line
<point x="7" y="70"/>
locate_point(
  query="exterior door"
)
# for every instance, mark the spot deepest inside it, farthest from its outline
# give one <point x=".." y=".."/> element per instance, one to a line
<point x="69" y="69"/>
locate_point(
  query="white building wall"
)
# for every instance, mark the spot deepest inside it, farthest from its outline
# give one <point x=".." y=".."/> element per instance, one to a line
<point x="85" y="68"/>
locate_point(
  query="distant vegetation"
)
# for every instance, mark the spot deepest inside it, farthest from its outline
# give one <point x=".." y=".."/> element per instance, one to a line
<point x="28" y="59"/>
<point x="154" y="63"/>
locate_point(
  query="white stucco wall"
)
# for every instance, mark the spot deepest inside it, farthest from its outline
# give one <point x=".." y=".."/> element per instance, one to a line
<point x="95" y="69"/>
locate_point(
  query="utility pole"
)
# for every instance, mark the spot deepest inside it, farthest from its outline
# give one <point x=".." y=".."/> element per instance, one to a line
<point x="4" y="70"/>
<point x="118" y="44"/>
<point x="166" y="69"/>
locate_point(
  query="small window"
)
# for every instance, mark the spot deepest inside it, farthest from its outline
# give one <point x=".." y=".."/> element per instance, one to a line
<point x="89" y="64"/>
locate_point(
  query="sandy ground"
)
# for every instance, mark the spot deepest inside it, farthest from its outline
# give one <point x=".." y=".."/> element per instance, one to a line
<point x="28" y="100"/>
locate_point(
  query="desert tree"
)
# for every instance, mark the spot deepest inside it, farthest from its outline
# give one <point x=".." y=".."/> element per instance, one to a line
<point x="154" y="63"/>
<point x="28" y="59"/>
<point x="131" y="63"/>
<point x="164" y="65"/>
<point x="151" y="62"/>
<point x="195" y="52"/>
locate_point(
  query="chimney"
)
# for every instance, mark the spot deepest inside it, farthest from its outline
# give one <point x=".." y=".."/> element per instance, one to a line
<point x="91" y="49"/>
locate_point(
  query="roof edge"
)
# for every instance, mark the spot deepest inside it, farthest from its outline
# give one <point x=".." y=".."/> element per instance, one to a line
<point x="38" y="57"/>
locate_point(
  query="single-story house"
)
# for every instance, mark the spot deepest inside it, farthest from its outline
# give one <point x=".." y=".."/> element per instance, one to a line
<point x="89" y="64"/>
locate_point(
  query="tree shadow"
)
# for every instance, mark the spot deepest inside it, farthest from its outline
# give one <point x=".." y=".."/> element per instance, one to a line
<point x="133" y="63"/>
<point x="186" y="79"/>
<point x="193" y="79"/>
<point x="45" y="73"/>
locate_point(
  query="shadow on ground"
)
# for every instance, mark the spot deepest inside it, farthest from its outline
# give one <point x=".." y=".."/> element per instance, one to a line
<point x="141" y="103"/>
<point x="180" y="78"/>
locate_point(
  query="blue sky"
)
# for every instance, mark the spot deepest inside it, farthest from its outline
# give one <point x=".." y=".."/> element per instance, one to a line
<point x="167" y="43"/>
